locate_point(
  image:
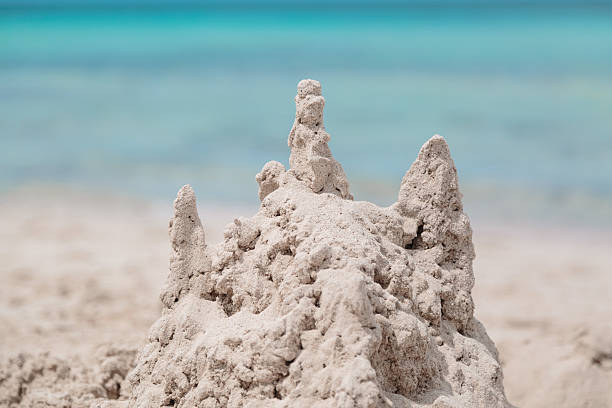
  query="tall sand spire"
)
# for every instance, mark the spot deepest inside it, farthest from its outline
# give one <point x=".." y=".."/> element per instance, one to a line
<point x="188" y="246"/>
<point x="311" y="159"/>
<point x="429" y="193"/>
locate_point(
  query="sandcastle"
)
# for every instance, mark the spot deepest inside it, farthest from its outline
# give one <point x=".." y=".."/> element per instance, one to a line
<point x="322" y="301"/>
<point x="315" y="301"/>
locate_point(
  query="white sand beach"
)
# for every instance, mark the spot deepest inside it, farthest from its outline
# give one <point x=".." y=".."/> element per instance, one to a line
<point x="79" y="271"/>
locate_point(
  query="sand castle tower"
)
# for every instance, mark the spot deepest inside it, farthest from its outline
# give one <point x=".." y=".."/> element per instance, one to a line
<point x="311" y="160"/>
<point x="321" y="301"/>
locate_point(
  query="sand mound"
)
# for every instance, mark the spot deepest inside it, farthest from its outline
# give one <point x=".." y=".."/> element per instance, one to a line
<point x="40" y="380"/>
<point x="316" y="300"/>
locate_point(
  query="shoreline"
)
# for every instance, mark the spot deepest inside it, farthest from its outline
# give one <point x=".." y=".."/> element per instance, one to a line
<point x="482" y="216"/>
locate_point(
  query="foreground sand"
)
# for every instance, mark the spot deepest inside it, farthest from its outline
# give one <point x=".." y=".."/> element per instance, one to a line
<point x="80" y="271"/>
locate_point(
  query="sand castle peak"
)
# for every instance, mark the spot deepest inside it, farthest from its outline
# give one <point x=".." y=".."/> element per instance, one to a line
<point x="308" y="87"/>
<point x="188" y="244"/>
<point x="429" y="194"/>
<point x="311" y="160"/>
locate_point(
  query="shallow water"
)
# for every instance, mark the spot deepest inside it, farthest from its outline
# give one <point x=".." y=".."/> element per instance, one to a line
<point x="141" y="101"/>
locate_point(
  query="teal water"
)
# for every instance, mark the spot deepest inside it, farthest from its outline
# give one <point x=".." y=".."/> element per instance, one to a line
<point x="141" y="101"/>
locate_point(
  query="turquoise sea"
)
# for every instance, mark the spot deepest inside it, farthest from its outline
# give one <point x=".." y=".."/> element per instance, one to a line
<point x="135" y="100"/>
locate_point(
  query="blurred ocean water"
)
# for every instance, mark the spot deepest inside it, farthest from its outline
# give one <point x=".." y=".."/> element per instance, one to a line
<point x="141" y="101"/>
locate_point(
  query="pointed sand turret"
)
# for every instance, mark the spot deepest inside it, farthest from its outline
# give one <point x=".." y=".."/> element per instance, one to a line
<point x="429" y="193"/>
<point x="311" y="159"/>
<point x="188" y="246"/>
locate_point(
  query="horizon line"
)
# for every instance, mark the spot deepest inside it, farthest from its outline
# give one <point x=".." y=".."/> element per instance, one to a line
<point x="296" y="4"/>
